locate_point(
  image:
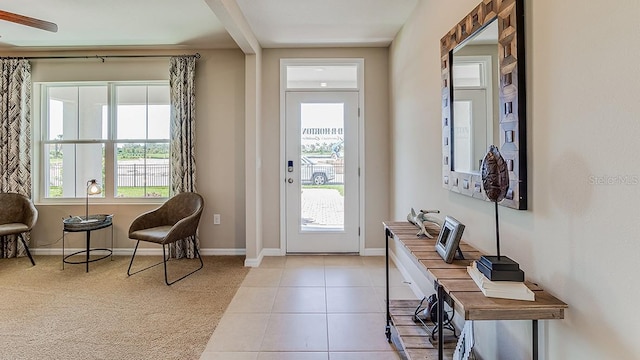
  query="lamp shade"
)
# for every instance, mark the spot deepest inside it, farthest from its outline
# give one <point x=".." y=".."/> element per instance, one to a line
<point x="93" y="188"/>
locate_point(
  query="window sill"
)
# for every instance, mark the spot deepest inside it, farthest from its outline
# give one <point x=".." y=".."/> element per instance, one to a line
<point x="94" y="202"/>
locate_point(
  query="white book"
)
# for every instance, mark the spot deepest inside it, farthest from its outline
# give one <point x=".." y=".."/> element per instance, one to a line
<point x="500" y="289"/>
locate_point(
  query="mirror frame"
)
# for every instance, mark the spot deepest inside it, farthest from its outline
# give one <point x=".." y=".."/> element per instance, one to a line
<point x="512" y="104"/>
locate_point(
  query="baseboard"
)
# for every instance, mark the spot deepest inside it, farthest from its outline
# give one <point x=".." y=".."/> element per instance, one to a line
<point x="255" y="262"/>
<point x="142" y="252"/>
<point x="373" y="252"/>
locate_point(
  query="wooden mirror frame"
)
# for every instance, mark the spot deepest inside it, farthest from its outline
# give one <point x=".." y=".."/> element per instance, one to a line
<point x="511" y="58"/>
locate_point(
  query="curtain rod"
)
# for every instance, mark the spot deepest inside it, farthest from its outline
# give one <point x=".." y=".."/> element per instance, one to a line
<point x="101" y="57"/>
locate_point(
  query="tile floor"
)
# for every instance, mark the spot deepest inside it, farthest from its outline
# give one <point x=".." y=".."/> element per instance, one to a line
<point x="309" y="308"/>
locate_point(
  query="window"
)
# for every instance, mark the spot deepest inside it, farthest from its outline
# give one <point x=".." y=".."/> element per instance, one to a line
<point x="117" y="133"/>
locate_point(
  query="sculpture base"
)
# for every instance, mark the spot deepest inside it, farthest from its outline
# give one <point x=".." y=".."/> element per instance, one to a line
<point x="500" y="269"/>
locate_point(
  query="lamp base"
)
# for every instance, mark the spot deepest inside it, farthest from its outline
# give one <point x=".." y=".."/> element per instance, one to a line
<point x="500" y="269"/>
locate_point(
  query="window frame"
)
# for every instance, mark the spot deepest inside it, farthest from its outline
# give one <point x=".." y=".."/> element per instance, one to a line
<point x="40" y="135"/>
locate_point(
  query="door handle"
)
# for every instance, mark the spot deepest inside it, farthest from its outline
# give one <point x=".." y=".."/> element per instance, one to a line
<point x="290" y="180"/>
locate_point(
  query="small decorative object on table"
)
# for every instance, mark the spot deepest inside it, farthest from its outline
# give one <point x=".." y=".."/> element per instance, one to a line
<point x="449" y="239"/>
<point x="495" y="180"/>
<point x="422" y="219"/>
<point x="84" y="223"/>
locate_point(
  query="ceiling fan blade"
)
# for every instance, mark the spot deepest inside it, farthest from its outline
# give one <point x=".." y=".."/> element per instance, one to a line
<point x="28" y="21"/>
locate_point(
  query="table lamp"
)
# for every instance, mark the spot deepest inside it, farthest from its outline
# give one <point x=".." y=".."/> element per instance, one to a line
<point x="93" y="188"/>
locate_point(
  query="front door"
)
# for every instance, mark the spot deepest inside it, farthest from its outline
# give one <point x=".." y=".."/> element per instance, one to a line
<point x="321" y="172"/>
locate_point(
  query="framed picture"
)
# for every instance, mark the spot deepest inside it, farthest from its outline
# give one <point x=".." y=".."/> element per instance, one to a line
<point x="449" y="238"/>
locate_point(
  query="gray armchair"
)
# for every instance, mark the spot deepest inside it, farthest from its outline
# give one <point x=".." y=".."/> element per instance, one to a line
<point x="17" y="215"/>
<point x="176" y="219"/>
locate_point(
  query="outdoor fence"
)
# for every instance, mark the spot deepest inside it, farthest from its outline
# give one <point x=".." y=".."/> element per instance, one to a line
<point x="130" y="175"/>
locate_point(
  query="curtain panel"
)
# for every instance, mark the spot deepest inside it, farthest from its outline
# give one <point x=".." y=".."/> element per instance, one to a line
<point x="183" y="162"/>
<point x="15" y="139"/>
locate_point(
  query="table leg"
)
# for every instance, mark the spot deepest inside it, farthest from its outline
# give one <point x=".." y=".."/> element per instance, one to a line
<point x="388" y="328"/>
<point x="534" y="326"/>
<point x="440" y="322"/>
<point x="111" y="242"/>
<point x="88" y="242"/>
<point x="62" y="249"/>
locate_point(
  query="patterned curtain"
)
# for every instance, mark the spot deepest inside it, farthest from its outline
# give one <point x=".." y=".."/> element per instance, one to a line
<point x="15" y="139"/>
<point x="183" y="163"/>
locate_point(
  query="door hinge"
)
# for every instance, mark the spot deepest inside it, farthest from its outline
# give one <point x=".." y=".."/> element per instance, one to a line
<point x="358" y="112"/>
<point x="358" y="230"/>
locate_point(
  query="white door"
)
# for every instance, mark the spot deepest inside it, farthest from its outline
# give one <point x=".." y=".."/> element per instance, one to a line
<point x="321" y="149"/>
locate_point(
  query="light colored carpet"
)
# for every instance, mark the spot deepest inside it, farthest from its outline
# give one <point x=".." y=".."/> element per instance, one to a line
<point x="50" y="313"/>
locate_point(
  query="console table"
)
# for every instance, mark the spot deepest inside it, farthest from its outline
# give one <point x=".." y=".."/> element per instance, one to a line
<point x="455" y="287"/>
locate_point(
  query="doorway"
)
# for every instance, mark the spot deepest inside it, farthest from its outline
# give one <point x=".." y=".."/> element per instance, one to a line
<point x="321" y="173"/>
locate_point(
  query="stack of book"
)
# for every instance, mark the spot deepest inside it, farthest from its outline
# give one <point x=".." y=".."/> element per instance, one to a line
<point x="500" y="289"/>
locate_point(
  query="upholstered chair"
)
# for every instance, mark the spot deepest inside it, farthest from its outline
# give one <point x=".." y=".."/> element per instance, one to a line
<point x="176" y="219"/>
<point x="17" y="216"/>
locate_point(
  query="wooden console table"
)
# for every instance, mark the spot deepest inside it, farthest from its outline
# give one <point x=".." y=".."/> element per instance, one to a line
<point x="455" y="287"/>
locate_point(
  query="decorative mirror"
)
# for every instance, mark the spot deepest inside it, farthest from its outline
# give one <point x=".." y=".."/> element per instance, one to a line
<point x="483" y="98"/>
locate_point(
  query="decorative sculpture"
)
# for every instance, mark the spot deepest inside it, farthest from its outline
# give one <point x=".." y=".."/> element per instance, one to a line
<point x="495" y="180"/>
<point x="421" y="219"/>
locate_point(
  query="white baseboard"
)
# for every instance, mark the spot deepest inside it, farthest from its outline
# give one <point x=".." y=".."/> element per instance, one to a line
<point x="142" y="252"/>
<point x="373" y="252"/>
<point x="255" y="262"/>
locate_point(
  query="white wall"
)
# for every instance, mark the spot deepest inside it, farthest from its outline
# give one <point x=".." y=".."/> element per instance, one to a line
<point x="376" y="118"/>
<point x="220" y="143"/>
<point x="578" y="239"/>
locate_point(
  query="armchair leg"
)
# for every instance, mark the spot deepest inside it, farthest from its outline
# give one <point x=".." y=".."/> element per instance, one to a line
<point x="131" y="262"/>
<point x="164" y="261"/>
<point x="26" y="248"/>
<point x="164" y="257"/>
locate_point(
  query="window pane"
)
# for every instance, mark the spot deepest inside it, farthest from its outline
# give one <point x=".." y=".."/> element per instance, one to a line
<point x="159" y="112"/>
<point x="93" y="119"/>
<point x="131" y="112"/>
<point x="77" y="112"/>
<point x="322" y="76"/>
<point x="142" y="170"/>
<point x="68" y="168"/>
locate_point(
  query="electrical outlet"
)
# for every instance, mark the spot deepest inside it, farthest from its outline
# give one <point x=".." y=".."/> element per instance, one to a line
<point x="216" y="219"/>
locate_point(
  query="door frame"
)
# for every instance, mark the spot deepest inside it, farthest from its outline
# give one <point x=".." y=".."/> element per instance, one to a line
<point x="359" y="62"/>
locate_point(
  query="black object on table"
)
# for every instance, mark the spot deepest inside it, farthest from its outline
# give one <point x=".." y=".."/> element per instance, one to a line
<point x="88" y="224"/>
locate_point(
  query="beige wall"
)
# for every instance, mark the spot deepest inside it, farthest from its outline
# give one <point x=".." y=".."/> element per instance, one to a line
<point x="219" y="143"/>
<point x="376" y="118"/>
<point x="578" y="239"/>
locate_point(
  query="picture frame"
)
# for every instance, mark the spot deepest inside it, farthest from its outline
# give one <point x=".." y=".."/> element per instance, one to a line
<point x="449" y="239"/>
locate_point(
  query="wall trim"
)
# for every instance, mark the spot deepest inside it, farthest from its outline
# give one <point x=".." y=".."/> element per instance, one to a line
<point x="255" y="262"/>
<point x="142" y="252"/>
<point x="373" y="252"/>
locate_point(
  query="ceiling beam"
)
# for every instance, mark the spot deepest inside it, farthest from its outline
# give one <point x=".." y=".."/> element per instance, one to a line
<point x="232" y="18"/>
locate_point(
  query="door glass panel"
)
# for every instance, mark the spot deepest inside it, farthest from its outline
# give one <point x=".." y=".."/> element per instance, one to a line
<point x="462" y="135"/>
<point x="322" y="167"/>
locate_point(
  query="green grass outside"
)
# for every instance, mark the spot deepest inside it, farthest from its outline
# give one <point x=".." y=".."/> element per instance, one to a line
<point x="340" y="188"/>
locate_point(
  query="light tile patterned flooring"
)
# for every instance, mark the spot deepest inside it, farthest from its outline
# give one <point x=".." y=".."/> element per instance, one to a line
<point x="309" y="308"/>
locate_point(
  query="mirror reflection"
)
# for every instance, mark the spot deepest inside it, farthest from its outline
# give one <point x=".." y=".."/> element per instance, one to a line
<point x="476" y="121"/>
